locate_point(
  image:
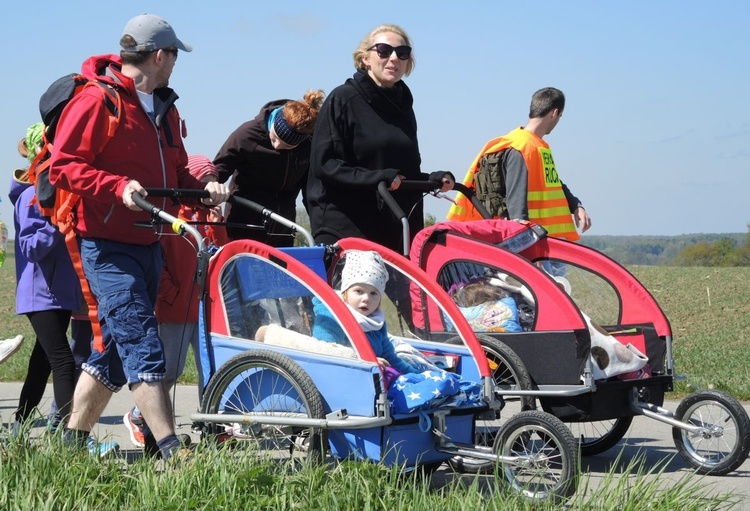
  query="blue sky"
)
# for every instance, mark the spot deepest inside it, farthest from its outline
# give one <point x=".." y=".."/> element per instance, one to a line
<point x="655" y="138"/>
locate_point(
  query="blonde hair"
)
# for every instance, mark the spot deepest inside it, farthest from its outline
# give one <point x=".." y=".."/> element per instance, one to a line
<point x="367" y="42"/>
<point x="302" y="115"/>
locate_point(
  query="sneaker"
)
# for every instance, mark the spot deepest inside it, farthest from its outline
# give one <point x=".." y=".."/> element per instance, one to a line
<point x="102" y="449"/>
<point x="150" y="447"/>
<point x="9" y="346"/>
<point x="136" y="428"/>
<point x="53" y="423"/>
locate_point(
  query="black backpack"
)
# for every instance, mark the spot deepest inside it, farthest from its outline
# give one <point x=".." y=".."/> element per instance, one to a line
<point x="489" y="184"/>
<point x="51" y="105"/>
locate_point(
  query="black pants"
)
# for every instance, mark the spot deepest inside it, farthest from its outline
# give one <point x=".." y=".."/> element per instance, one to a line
<point x="51" y="353"/>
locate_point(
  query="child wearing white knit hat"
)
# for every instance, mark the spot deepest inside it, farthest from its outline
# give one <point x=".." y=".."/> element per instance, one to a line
<point x="363" y="281"/>
<point x="363" y="268"/>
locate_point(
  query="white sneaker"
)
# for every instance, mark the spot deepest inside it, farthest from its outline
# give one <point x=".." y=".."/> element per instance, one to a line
<point x="9" y="346"/>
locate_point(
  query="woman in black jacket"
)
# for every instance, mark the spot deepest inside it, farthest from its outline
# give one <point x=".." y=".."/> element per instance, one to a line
<point x="367" y="133"/>
<point x="271" y="156"/>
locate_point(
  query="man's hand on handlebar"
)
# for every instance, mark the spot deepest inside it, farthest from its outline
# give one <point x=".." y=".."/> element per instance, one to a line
<point x="132" y="187"/>
<point x="219" y="193"/>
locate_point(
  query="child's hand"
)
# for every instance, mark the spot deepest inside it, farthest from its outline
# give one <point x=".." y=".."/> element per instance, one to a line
<point x="260" y="334"/>
<point x="383" y="363"/>
<point x="214" y="215"/>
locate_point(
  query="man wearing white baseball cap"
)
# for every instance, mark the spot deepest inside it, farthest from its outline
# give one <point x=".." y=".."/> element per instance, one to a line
<point x="122" y="262"/>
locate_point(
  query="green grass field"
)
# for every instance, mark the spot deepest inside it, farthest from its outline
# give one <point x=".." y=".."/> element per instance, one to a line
<point x="708" y="309"/>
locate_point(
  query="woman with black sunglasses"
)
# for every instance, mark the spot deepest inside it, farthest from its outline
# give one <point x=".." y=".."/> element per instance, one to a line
<point x="367" y="133"/>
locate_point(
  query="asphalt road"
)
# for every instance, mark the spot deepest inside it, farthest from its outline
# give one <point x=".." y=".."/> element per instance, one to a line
<point x="646" y="437"/>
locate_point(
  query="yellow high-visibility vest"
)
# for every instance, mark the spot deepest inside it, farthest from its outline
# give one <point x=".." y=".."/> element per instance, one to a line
<point x="546" y="200"/>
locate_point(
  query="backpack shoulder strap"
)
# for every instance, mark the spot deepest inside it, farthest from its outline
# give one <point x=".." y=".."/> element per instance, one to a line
<point x="112" y="101"/>
<point x="65" y="212"/>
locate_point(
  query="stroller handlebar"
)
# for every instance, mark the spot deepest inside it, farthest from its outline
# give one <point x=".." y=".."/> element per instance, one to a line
<point x="434" y="186"/>
<point x="177" y="193"/>
<point x="425" y="187"/>
<point x="179" y="226"/>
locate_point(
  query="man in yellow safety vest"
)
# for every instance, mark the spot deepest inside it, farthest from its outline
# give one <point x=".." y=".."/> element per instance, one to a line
<point x="532" y="187"/>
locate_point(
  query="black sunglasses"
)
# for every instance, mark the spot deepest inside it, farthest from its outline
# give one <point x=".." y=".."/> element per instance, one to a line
<point x="384" y="51"/>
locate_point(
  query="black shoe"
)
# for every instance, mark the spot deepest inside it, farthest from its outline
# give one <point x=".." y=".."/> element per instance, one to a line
<point x="150" y="447"/>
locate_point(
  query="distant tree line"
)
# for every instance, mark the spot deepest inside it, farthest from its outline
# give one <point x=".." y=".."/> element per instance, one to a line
<point x="683" y="250"/>
<point x="724" y="252"/>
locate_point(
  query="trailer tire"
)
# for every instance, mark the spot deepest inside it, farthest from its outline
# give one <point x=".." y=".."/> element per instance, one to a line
<point x="265" y="382"/>
<point x="547" y="466"/>
<point x="726" y="442"/>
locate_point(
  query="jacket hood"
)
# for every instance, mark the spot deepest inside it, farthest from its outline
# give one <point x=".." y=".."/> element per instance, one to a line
<point x="107" y="68"/>
<point x="96" y="67"/>
<point x="16" y="188"/>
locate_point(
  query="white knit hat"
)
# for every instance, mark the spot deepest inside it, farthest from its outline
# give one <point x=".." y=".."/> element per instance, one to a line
<point x="364" y="268"/>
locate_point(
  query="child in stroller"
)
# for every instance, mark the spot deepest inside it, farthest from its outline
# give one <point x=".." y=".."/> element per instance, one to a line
<point x="489" y="304"/>
<point x="363" y="281"/>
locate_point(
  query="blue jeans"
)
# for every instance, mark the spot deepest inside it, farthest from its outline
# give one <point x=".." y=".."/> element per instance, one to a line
<point x="124" y="279"/>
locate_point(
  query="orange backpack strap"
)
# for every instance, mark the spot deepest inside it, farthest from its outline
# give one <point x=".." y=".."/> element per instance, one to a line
<point x="71" y="242"/>
<point x="64" y="216"/>
<point x="113" y="103"/>
<point x="40" y="162"/>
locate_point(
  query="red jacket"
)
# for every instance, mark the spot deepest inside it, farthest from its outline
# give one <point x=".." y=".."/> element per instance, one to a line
<point x="178" y="293"/>
<point x="154" y="158"/>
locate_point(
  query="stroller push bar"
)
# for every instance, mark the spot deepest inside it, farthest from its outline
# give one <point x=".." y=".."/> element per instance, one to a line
<point x="424" y="187"/>
<point x="176" y="193"/>
<point x="179" y="226"/>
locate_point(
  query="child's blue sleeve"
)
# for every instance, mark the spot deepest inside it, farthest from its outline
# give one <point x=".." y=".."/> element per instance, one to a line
<point x="383" y="348"/>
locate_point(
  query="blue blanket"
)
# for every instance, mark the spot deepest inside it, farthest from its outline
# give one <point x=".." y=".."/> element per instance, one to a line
<point x="430" y="390"/>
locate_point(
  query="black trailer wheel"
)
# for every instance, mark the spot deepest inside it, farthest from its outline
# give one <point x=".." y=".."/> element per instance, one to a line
<point x="265" y="383"/>
<point x="507" y="369"/>
<point x="546" y="452"/>
<point x="725" y="442"/>
<point x="596" y="437"/>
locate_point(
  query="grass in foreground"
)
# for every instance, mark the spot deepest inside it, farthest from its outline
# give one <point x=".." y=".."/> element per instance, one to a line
<point x="44" y="475"/>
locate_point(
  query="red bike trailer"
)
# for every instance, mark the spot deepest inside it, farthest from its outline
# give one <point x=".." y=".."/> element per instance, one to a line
<point x="550" y="361"/>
